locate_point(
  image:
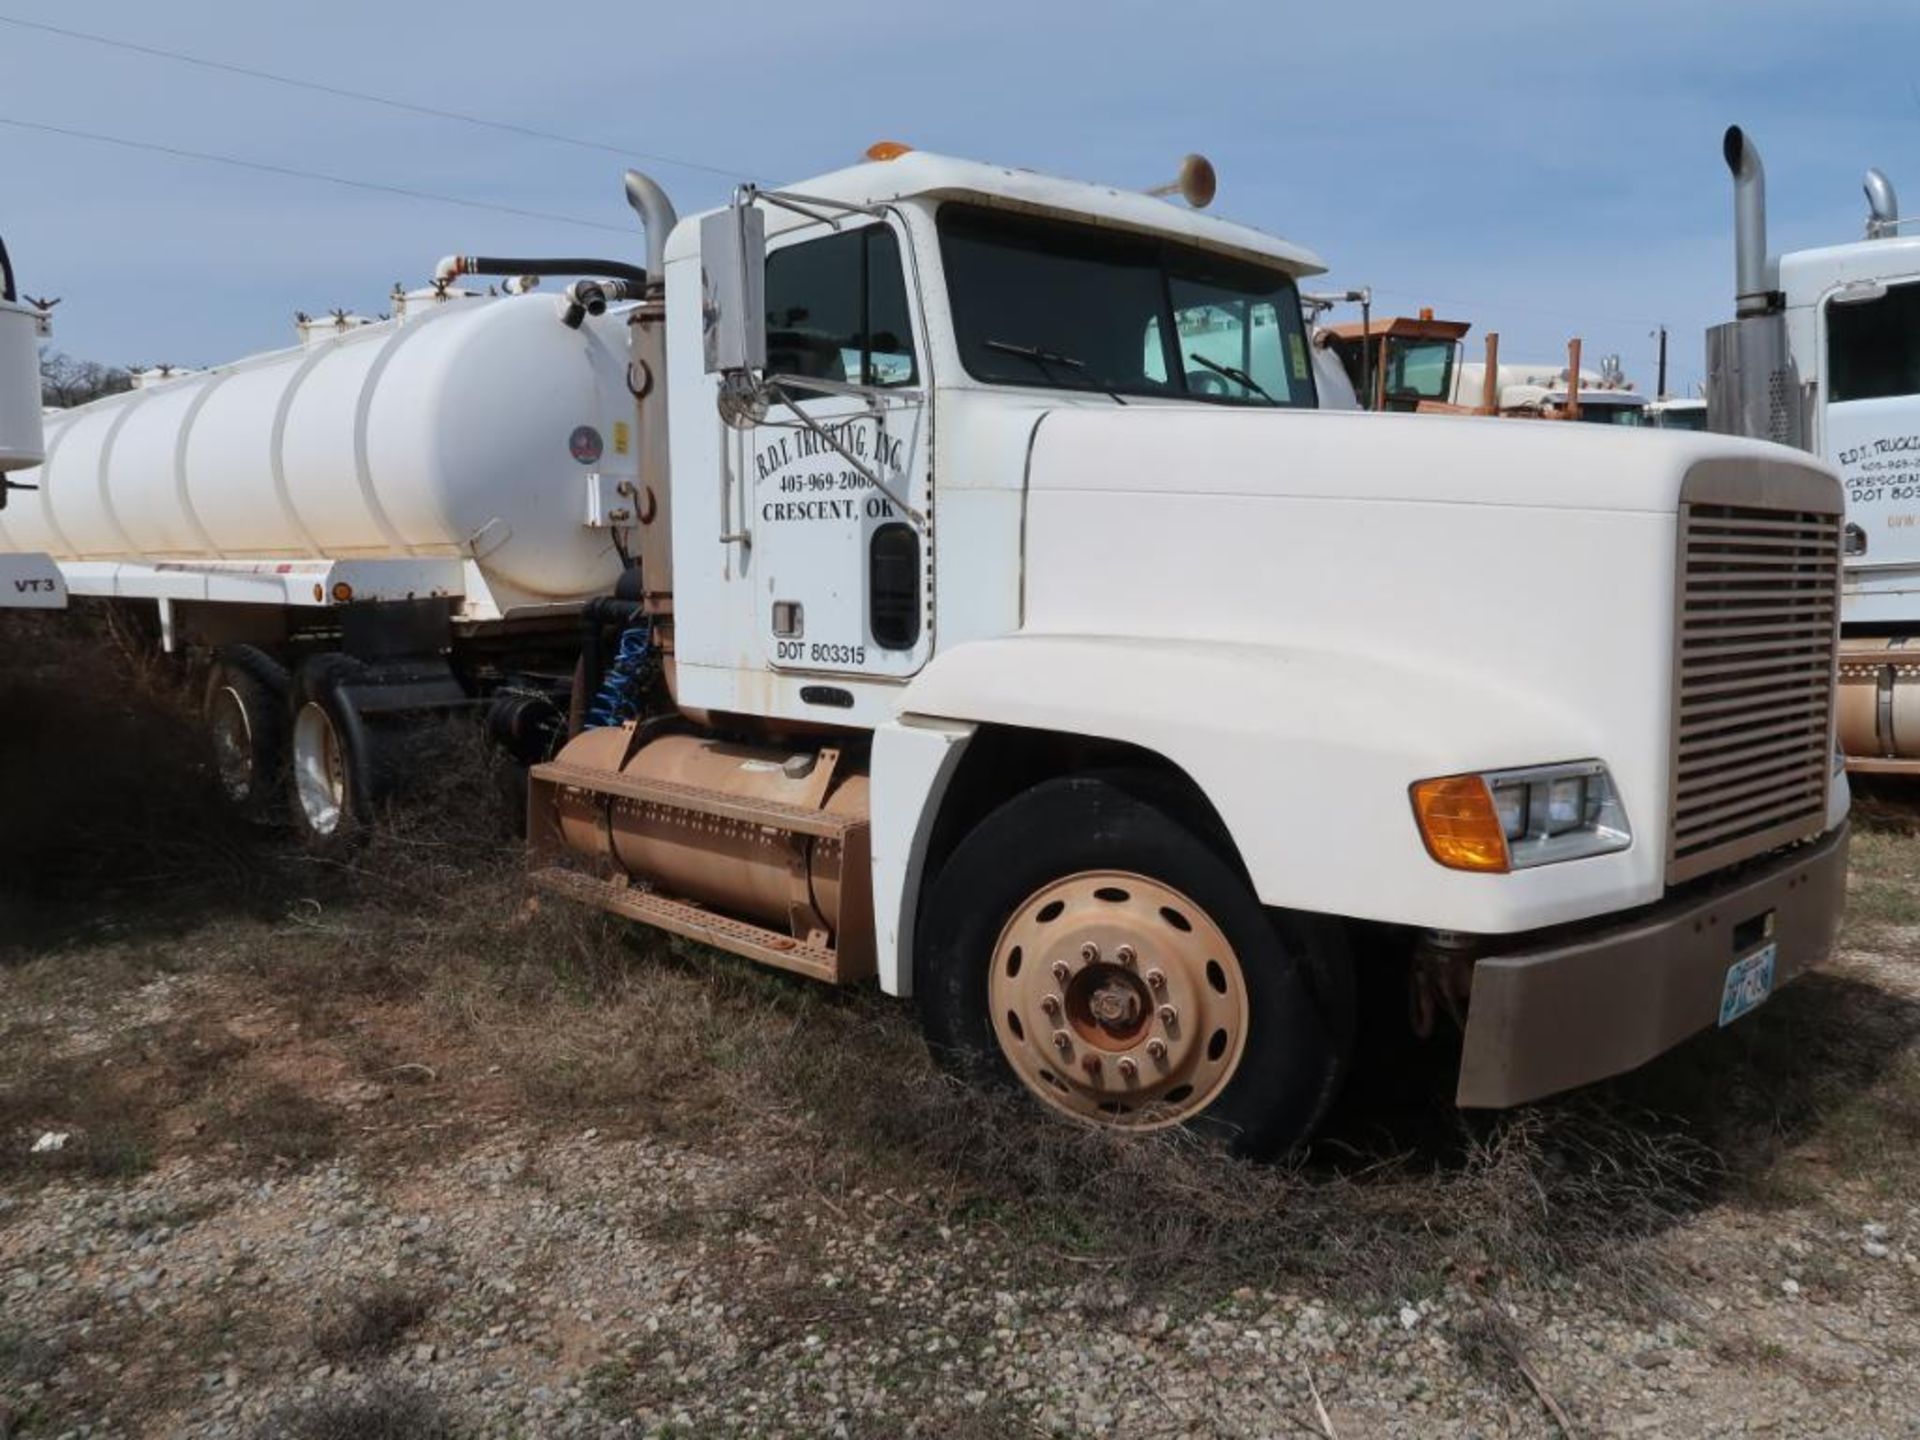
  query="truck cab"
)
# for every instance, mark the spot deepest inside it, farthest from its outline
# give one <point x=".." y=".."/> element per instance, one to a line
<point x="1401" y="362"/>
<point x="1052" y="654"/>
<point x="1824" y="355"/>
<point x="922" y="327"/>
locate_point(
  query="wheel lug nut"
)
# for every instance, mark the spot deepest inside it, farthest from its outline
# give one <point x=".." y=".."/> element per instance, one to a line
<point x="1062" y="1041"/>
<point x="1090" y="952"/>
<point x="1060" y="971"/>
<point x="1156" y="979"/>
<point x="1128" y="1069"/>
<point x="1157" y="1048"/>
<point x="1050" y="1004"/>
<point x="1125" y="955"/>
<point x="1091" y="1064"/>
<point x="1169" y="1016"/>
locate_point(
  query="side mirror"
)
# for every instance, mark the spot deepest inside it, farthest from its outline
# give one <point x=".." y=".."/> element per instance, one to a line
<point x="733" y="288"/>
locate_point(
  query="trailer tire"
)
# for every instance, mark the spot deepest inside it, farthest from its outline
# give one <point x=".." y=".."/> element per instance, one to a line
<point x="245" y="710"/>
<point x="339" y="772"/>
<point x="1168" y="996"/>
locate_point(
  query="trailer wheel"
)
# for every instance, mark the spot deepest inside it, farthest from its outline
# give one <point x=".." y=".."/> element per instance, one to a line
<point x="1087" y="941"/>
<point x="246" y="718"/>
<point x="336" y="775"/>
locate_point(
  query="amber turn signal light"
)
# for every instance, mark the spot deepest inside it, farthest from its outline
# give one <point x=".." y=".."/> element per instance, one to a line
<point x="1460" y="824"/>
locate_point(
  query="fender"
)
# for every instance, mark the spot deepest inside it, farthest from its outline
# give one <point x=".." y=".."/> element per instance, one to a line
<point x="1307" y="755"/>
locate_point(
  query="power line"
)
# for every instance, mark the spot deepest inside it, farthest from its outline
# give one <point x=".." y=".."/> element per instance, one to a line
<point x="365" y="97"/>
<point x="288" y="170"/>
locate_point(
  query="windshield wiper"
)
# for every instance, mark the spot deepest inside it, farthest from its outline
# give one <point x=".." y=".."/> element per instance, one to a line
<point x="1233" y="373"/>
<point x="1048" y="360"/>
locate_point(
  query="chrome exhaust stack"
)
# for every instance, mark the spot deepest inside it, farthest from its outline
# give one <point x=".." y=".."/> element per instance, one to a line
<point x="1752" y="294"/>
<point x="1753" y="386"/>
<point x="1883" y="206"/>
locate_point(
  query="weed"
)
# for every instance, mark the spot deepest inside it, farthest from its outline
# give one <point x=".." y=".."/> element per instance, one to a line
<point x="369" y="1322"/>
<point x="390" y="1409"/>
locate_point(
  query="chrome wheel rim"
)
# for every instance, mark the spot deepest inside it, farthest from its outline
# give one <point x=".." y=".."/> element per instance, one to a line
<point x="319" y="769"/>
<point x="232" y="742"/>
<point x="1118" y="1000"/>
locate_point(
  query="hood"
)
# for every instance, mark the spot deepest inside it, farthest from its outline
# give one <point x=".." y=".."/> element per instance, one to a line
<point x="1432" y="459"/>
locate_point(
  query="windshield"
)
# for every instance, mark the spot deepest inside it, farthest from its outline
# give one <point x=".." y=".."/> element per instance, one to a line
<point x="1603" y="414"/>
<point x="1076" y="307"/>
<point x="1420" y="369"/>
<point x="1691" y="418"/>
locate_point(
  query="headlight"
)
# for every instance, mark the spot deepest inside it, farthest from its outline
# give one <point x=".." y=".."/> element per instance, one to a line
<point x="1513" y="819"/>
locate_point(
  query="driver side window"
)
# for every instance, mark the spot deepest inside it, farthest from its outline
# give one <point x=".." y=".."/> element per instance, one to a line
<point x="837" y="310"/>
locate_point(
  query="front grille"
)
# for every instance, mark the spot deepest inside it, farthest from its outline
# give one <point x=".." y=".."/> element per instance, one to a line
<point x="1759" y="606"/>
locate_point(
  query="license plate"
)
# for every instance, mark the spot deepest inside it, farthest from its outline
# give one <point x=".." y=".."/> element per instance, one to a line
<point x="1749" y="981"/>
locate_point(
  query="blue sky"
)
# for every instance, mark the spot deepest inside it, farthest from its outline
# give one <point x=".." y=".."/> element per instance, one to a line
<point x="1543" y="170"/>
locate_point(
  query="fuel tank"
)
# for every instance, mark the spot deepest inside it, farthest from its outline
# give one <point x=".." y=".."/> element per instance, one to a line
<point x="759" y="850"/>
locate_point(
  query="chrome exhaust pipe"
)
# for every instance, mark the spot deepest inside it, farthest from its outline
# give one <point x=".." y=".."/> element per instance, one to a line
<point x="657" y="218"/>
<point x="1883" y="206"/>
<point x="1751" y="293"/>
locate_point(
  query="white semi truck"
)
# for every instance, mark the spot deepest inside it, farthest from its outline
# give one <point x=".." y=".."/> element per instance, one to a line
<point x="1824" y="354"/>
<point x="951" y="617"/>
<point x="27" y="581"/>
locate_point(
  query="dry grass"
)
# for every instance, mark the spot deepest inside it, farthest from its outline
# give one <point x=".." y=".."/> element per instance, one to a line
<point x="390" y="1409"/>
<point x="365" y="1324"/>
<point x="423" y="963"/>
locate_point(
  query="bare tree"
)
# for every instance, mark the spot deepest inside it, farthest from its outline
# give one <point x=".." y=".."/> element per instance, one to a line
<point x="66" y="382"/>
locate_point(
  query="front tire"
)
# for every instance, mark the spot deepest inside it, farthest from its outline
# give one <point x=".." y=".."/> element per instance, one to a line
<point x="1087" y="941"/>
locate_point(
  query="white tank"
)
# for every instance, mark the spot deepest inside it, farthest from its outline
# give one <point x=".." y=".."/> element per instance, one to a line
<point x="472" y="428"/>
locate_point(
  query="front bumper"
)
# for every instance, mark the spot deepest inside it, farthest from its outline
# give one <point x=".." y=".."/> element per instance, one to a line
<point x="1590" y="1004"/>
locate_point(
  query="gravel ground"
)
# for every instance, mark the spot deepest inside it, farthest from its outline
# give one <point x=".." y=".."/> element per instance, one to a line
<point x="542" y="1279"/>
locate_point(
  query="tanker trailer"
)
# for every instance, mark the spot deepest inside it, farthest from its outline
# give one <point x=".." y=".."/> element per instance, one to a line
<point x="388" y="522"/>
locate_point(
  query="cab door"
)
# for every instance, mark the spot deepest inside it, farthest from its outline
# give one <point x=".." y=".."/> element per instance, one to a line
<point x="841" y="490"/>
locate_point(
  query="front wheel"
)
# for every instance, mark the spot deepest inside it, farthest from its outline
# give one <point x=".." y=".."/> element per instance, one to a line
<point x="1088" y="942"/>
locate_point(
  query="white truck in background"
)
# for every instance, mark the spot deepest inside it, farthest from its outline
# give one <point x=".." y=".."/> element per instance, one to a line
<point x="27" y="581"/>
<point x="946" y="573"/>
<point x="1545" y="391"/>
<point x="1677" y="412"/>
<point x="1824" y="354"/>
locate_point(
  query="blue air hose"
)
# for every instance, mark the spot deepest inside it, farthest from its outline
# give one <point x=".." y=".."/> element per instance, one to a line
<point x="618" y="698"/>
